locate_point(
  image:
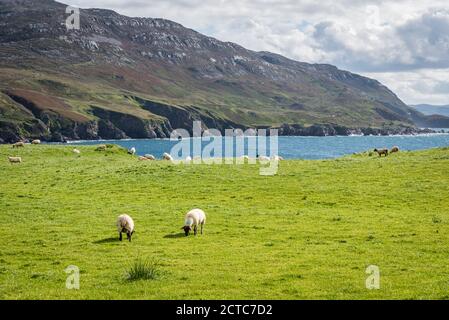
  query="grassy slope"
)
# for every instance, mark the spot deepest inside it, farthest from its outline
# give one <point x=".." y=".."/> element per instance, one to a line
<point x="249" y="104"/>
<point x="309" y="232"/>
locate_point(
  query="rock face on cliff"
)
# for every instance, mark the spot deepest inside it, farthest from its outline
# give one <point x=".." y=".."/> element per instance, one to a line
<point x="119" y="77"/>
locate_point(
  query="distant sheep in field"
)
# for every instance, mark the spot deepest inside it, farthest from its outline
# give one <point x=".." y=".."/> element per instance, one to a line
<point x="168" y="157"/>
<point x="381" y="152"/>
<point x="132" y="151"/>
<point x="194" y="218"/>
<point x="150" y="157"/>
<point x="76" y="151"/>
<point x="277" y="158"/>
<point x="125" y="224"/>
<point x="188" y="159"/>
<point x="101" y="147"/>
<point x="37" y="141"/>
<point x="18" y="145"/>
<point x="15" y="159"/>
<point x="263" y="158"/>
<point x="394" y="149"/>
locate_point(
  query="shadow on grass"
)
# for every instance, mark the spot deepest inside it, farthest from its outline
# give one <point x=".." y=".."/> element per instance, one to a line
<point x="107" y="240"/>
<point x="175" y="235"/>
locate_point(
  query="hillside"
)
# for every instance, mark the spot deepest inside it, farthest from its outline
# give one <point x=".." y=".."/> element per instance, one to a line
<point x="307" y="233"/>
<point x="121" y="77"/>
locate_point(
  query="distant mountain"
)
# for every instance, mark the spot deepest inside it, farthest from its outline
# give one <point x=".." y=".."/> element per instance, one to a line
<point x="120" y="77"/>
<point x="429" y="109"/>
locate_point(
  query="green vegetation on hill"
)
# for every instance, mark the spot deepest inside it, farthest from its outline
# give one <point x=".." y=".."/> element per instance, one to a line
<point x="70" y="85"/>
<point x="308" y="232"/>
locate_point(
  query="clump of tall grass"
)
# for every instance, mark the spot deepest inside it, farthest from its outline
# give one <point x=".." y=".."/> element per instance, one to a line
<point x="142" y="269"/>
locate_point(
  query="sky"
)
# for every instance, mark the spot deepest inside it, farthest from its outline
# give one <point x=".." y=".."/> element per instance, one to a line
<point x="402" y="43"/>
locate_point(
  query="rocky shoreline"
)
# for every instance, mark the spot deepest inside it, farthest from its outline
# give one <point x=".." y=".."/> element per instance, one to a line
<point x="114" y="127"/>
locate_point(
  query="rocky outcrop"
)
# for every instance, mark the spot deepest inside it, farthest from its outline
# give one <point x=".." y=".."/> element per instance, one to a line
<point x="322" y="130"/>
<point x="183" y="117"/>
<point x="116" y="125"/>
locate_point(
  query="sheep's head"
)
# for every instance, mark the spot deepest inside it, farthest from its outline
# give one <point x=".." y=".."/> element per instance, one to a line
<point x="186" y="230"/>
<point x="129" y="235"/>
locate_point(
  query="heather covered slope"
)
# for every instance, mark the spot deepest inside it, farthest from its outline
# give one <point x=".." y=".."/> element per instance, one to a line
<point x="155" y="75"/>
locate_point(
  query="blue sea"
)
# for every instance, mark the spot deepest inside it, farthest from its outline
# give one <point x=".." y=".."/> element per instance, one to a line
<point x="288" y="147"/>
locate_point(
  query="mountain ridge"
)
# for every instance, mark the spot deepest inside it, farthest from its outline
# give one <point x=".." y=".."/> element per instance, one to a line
<point x="60" y="85"/>
<point x="430" y="109"/>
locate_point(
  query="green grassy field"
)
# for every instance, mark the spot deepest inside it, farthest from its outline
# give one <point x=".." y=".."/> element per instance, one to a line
<point x="307" y="233"/>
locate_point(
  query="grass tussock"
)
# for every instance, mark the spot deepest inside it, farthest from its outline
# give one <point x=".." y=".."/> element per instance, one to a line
<point x="143" y="269"/>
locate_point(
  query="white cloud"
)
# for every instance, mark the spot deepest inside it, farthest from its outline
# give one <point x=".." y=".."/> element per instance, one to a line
<point x="395" y="41"/>
<point x="419" y="86"/>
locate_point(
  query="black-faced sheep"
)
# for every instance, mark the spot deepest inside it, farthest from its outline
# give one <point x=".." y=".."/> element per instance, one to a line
<point x="132" y="151"/>
<point x="381" y="152"/>
<point x="394" y="149"/>
<point x="125" y="224"/>
<point x="194" y="218"/>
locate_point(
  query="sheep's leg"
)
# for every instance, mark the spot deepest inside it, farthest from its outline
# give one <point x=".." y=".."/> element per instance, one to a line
<point x="120" y="236"/>
<point x="202" y="228"/>
<point x="195" y="230"/>
<point x="129" y="236"/>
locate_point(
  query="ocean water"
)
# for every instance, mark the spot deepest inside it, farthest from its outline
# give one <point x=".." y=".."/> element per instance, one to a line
<point x="288" y="147"/>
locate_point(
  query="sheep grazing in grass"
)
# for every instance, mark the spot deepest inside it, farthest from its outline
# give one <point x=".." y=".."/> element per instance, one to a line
<point x="381" y="152"/>
<point x="15" y="159"/>
<point x="101" y="147"/>
<point x="37" y="141"/>
<point x="18" y="145"/>
<point x="277" y="158"/>
<point x="194" y="218"/>
<point x="167" y="157"/>
<point x="188" y="159"/>
<point x="263" y="158"/>
<point x="394" y="149"/>
<point x="76" y="151"/>
<point x="150" y="157"/>
<point x="132" y="151"/>
<point x="125" y="224"/>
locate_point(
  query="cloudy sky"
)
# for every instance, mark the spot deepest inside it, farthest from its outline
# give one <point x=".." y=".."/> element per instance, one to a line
<point x="402" y="43"/>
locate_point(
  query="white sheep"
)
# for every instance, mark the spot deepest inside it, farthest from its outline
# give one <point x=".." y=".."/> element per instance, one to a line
<point x="263" y="159"/>
<point x="76" y="151"/>
<point x="277" y="158"/>
<point x="132" y="151"/>
<point x="37" y="141"/>
<point x="15" y="159"/>
<point x="168" y="157"/>
<point x="194" y="218"/>
<point x="188" y="159"/>
<point x="125" y="224"/>
<point x="19" y="144"/>
<point x="150" y="157"/>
